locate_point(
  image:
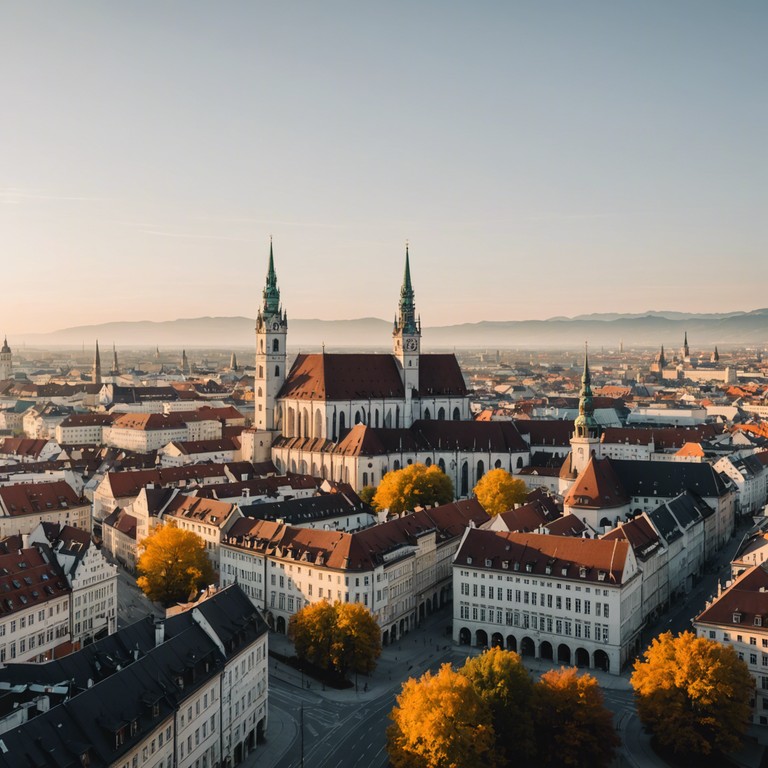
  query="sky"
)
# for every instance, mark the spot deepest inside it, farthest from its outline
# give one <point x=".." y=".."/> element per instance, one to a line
<point x="541" y="158"/>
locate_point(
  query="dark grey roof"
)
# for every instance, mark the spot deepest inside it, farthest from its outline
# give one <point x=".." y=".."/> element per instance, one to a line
<point x="298" y="511"/>
<point x="666" y="479"/>
<point x="126" y="678"/>
<point x="665" y="523"/>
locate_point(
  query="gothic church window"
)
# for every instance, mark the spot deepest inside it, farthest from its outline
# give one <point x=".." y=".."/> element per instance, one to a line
<point x="275" y="345"/>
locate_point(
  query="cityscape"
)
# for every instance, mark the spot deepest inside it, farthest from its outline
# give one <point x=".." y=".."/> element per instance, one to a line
<point x="383" y="386"/>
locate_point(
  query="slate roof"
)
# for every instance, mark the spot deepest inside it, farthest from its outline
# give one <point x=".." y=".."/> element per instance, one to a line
<point x="297" y="511"/>
<point x="543" y="432"/>
<point x="131" y="482"/>
<point x="668" y="479"/>
<point x="130" y="676"/>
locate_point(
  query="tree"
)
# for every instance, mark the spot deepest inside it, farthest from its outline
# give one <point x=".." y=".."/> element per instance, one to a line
<point x="413" y="486"/>
<point x="367" y="492"/>
<point x="693" y="694"/>
<point x="173" y="563"/>
<point x="573" y="726"/>
<point x="497" y="491"/>
<point x="343" y="637"/>
<point x="501" y="680"/>
<point x="440" y="721"/>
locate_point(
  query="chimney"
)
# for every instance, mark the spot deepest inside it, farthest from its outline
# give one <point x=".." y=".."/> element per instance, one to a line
<point x="159" y="632"/>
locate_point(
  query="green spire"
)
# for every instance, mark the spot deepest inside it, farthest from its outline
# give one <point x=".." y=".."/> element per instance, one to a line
<point x="271" y="291"/>
<point x="585" y="424"/>
<point x="406" y="321"/>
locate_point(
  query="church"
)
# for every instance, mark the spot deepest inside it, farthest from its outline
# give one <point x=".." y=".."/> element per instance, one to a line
<point x="353" y="417"/>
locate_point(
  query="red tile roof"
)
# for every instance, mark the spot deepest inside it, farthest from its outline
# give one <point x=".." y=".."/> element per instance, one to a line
<point x="149" y="421"/>
<point x="208" y="511"/>
<point x="640" y="534"/>
<point x="747" y="597"/>
<point x="26" y="581"/>
<point x="361" y="550"/>
<point x="567" y="525"/>
<point x="363" y="376"/>
<point x="35" y="498"/>
<point x="124" y="484"/>
<point x="22" y="446"/>
<point x="597" y="487"/>
<point x="545" y="555"/>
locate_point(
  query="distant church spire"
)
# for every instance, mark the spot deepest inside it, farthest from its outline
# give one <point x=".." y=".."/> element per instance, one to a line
<point x="585" y="423"/>
<point x="662" y="359"/>
<point x="686" y="350"/>
<point x="97" y="365"/>
<point x="115" y="367"/>
<point x="184" y="362"/>
<point x="406" y="321"/>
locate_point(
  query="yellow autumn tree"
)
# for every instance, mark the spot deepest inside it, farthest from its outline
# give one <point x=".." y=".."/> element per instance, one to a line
<point x="693" y="694"/>
<point x="172" y="564"/>
<point x="573" y="726"/>
<point x="440" y="721"/>
<point x="498" y="491"/>
<point x="501" y="680"/>
<point x="343" y="637"/>
<point x="413" y="486"/>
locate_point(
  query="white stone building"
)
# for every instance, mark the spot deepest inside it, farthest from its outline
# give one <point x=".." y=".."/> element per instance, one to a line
<point x="570" y="600"/>
<point x="24" y="506"/>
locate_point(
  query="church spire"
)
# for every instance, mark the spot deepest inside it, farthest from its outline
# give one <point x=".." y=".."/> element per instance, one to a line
<point x="686" y="350"/>
<point x="585" y="423"/>
<point x="406" y="320"/>
<point x="97" y="365"/>
<point x="271" y="291"/>
<point x="115" y="367"/>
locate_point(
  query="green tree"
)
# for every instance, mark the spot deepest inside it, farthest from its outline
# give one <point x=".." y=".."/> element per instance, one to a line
<point x="573" y="726"/>
<point x="343" y="637"/>
<point x="413" y="486"/>
<point x="693" y="694"/>
<point x="501" y="680"/>
<point x="367" y="492"/>
<point x="498" y="491"/>
<point x="440" y="721"/>
<point x="173" y="563"/>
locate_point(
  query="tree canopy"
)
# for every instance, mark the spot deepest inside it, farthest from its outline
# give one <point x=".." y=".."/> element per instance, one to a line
<point x="413" y="486"/>
<point x="173" y="563"/>
<point x="491" y="713"/>
<point x="498" y="491"/>
<point x="343" y="637"/>
<point x="501" y="680"/>
<point x="573" y="726"/>
<point x="693" y="694"/>
<point x="440" y="722"/>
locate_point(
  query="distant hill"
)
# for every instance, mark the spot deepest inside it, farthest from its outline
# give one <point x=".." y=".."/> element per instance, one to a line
<point x="651" y="329"/>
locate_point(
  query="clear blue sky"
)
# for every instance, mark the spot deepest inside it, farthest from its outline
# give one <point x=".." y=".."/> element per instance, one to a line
<point x="543" y="158"/>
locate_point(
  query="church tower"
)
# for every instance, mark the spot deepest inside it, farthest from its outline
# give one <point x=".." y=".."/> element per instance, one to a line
<point x="406" y="337"/>
<point x="686" y="352"/>
<point x="97" y="365"/>
<point x="115" y="366"/>
<point x="6" y="361"/>
<point x="271" y="333"/>
<point x="586" y="433"/>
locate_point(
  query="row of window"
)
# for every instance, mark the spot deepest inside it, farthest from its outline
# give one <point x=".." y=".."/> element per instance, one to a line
<point x="541" y="622"/>
<point x="527" y="597"/>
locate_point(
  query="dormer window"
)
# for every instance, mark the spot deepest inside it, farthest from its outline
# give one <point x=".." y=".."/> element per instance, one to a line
<point x="736" y="617"/>
<point x="469" y="561"/>
<point x="517" y="566"/>
<point x="582" y="572"/>
<point x="156" y="709"/>
<point x="601" y="575"/>
<point x="758" y="621"/>
<point x="488" y="562"/>
<point x="528" y="567"/>
<point x="134" y="727"/>
<point x="548" y="569"/>
<point x="564" y="570"/>
<point x="505" y="564"/>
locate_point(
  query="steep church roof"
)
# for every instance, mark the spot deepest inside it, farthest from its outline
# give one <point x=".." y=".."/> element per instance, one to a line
<point x="597" y="487"/>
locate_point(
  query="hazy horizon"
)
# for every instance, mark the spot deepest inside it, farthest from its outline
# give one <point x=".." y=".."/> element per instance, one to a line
<point x="542" y="159"/>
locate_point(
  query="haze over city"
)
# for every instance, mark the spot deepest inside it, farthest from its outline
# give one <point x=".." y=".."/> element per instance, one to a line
<point x="542" y="160"/>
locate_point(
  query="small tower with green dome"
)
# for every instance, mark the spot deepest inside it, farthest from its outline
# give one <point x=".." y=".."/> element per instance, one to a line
<point x="585" y="441"/>
<point x="271" y="334"/>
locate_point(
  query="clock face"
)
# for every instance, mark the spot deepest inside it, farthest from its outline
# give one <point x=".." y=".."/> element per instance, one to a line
<point x="275" y="326"/>
<point x="410" y="344"/>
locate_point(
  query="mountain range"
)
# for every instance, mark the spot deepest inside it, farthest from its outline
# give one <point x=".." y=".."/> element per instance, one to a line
<point x="650" y="329"/>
